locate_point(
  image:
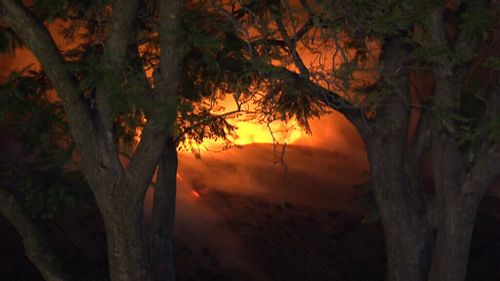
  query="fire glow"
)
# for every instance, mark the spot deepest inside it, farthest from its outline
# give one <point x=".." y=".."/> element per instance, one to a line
<point x="195" y="194"/>
<point x="250" y="131"/>
<point x="247" y="131"/>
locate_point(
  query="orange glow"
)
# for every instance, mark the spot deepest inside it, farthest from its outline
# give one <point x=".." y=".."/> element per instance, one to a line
<point x="195" y="194"/>
<point x="247" y="132"/>
<point x="250" y="131"/>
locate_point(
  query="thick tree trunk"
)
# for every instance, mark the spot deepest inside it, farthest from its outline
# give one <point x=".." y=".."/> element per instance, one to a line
<point x="451" y="254"/>
<point x="407" y="237"/>
<point x="163" y="216"/>
<point x="456" y="211"/>
<point x="128" y="250"/>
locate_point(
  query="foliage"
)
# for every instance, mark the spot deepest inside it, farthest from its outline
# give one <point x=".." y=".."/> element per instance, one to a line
<point x="478" y="18"/>
<point x="25" y="106"/>
<point x="46" y="146"/>
<point x="47" y="188"/>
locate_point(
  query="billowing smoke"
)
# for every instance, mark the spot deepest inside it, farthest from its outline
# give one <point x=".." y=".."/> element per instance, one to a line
<point x="256" y="176"/>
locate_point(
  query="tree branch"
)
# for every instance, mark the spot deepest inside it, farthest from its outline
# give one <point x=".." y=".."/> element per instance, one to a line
<point x="163" y="116"/>
<point x="291" y="44"/>
<point x="122" y="18"/>
<point x="207" y="120"/>
<point x="113" y="63"/>
<point x="43" y="256"/>
<point x="303" y="30"/>
<point x="448" y="86"/>
<point x="320" y="94"/>
<point x="37" y="38"/>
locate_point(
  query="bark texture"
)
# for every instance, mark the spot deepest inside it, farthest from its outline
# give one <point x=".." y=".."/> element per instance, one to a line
<point x="128" y="253"/>
<point x="451" y="253"/>
<point x="119" y="191"/>
<point x="459" y="189"/>
<point x="407" y="238"/>
<point x="163" y="215"/>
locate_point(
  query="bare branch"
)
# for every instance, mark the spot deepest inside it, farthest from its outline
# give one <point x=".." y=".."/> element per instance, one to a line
<point x="291" y="44"/>
<point x="269" y="42"/>
<point x="303" y="31"/>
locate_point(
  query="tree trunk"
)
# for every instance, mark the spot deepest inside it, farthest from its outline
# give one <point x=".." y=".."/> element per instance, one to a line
<point x="407" y="237"/>
<point x="455" y="227"/>
<point x="457" y="209"/>
<point x="163" y="215"/>
<point x="128" y="250"/>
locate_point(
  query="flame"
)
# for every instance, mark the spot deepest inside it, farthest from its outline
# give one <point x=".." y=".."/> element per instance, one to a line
<point x="250" y="131"/>
<point x="195" y="194"/>
<point x="246" y="132"/>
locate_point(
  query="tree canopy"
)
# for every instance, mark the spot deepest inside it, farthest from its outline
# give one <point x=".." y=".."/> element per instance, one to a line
<point x="159" y="68"/>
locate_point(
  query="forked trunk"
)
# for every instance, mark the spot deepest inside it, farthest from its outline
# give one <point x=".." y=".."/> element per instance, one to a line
<point x="128" y="251"/>
<point x="163" y="216"/>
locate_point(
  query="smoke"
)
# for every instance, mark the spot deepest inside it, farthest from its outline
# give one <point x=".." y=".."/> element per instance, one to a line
<point x="316" y="171"/>
<point x="230" y="182"/>
<point x="334" y="132"/>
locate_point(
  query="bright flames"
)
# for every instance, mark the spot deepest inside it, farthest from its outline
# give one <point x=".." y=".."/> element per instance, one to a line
<point x="247" y="132"/>
<point x="195" y="194"/>
<point x="250" y="131"/>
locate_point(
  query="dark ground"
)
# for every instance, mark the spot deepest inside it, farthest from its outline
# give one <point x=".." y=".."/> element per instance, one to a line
<point x="253" y="221"/>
